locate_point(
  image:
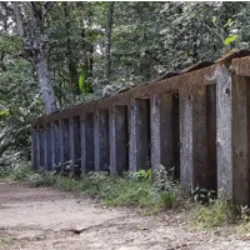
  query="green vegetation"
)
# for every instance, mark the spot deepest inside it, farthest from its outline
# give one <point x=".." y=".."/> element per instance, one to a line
<point x="133" y="190"/>
<point x="4" y="242"/>
<point x="216" y="214"/>
<point x="140" y="191"/>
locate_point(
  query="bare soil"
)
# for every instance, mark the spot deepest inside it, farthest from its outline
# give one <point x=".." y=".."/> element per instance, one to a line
<point x="44" y="218"/>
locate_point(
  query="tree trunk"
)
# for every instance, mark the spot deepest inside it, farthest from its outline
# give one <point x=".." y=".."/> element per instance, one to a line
<point x="43" y="76"/>
<point x="108" y="41"/>
<point x="33" y="44"/>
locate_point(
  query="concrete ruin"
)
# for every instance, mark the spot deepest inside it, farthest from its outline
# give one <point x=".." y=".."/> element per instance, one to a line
<point x="196" y="121"/>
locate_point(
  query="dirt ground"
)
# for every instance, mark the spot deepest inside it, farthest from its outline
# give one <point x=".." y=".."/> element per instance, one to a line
<point x="43" y="218"/>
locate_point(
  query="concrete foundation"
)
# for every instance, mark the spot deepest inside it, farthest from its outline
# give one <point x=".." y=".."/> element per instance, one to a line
<point x="118" y="137"/>
<point x="101" y="140"/>
<point x="139" y="140"/>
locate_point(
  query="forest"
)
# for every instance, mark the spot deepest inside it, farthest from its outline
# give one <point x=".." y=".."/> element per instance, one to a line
<point x="59" y="54"/>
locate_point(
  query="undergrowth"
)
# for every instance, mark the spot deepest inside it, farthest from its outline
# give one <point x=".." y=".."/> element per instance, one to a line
<point x="139" y="190"/>
<point x="131" y="190"/>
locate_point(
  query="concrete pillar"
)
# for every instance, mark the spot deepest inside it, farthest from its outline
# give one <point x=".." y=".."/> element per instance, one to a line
<point x="164" y="131"/>
<point x="101" y="140"/>
<point x="41" y="148"/>
<point x="193" y="138"/>
<point x="47" y="147"/>
<point x="233" y="151"/>
<point x="83" y="145"/>
<point x="118" y="137"/>
<point x="53" y="145"/>
<point x="34" y="141"/>
<point x="139" y="139"/>
<point x="89" y="142"/>
<point x="64" y="141"/>
<point x="75" y="143"/>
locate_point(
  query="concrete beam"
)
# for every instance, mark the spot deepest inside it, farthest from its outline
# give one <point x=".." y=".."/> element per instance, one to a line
<point x="139" y="139"/>
<point x="193" y="138"/>
<point x="118" y="137"/>
<point x="101" y="140"/>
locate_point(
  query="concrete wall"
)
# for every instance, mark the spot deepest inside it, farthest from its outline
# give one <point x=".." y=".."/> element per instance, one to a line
<point x="200" y="130"/>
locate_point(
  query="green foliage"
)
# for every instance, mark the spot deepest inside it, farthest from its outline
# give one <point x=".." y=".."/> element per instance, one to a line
<point x="230" y="39"/>
<point x="143" y="175"/>
<point x="216" y="214"/>
<point x="20" y="173"/>
<point x="4" y="242"/>
<point x="113" y="190"/>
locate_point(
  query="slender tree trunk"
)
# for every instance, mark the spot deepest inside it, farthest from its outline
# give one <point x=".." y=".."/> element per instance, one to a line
<point x="44" y="79"/>
<point x="108" y="41"/>
<point x="70" y="60"/>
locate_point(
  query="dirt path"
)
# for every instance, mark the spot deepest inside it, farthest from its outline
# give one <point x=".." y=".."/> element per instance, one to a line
<point x="42" y="218"/>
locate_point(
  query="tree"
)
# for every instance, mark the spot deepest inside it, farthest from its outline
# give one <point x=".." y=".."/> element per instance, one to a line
<point x="31" y="29"/>
<point x="108" y="41"/>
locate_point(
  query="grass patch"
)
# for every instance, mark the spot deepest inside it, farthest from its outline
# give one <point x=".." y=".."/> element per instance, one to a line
<point x="4" y="242"/>
<point x="212" y="215"/>
<point x="130" y="190"/>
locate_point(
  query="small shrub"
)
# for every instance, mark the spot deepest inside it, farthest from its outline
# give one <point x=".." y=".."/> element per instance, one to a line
<point x="212" y="215"/>
<point x="4" y="242"/>
<point x="20" y="173"/>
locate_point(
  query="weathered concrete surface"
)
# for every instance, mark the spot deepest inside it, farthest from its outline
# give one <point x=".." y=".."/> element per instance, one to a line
<point x="101" y="140"/>
<point x="224" y="132"/>
<point x="47" y="151"/>
<point x="139" y="140"/>
<point x="89" y="142"/>
<point x="193" y="136"/>
<point x="75" y="141"/>
<point x="118" y="137"/>
<point x="53" y="144"/>
<point x="83" y="145"/>
<point x="164" y="138"/>
<point x="41" y="218"/>
<point x="41" y="148"/>
<point x="34" y="141"/>
<point x="240" y="137"/>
